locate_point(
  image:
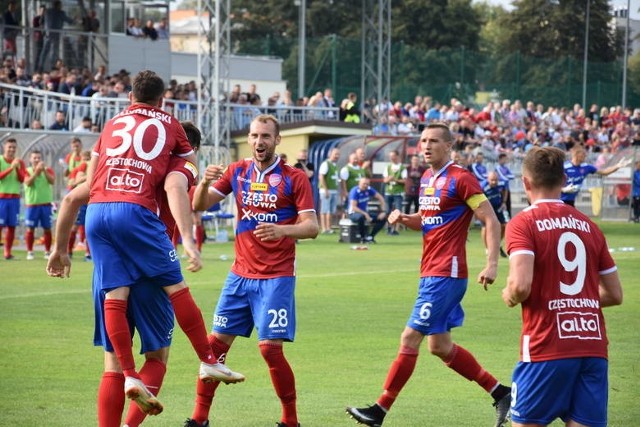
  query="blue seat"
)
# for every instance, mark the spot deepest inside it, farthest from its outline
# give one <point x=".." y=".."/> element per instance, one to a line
<point x="213" y="217"/>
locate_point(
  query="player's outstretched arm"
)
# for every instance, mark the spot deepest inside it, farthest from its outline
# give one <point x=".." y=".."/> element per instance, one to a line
<point x="59" y="264"/>
<point x="519" y="280"/>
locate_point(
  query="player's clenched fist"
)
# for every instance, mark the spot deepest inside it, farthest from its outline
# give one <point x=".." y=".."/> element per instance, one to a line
<point x="213" y="173"/>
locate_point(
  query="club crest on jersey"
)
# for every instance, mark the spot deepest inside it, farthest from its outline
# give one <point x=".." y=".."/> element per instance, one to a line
<point x="259" y="186"/>
<point x="440" y="183"/>
<point x="275" y="179"/>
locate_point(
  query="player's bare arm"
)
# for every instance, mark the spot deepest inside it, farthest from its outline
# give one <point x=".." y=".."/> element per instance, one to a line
<point x="204" y="197"/>
<point x="610" y="290"/>
<point x="306" y="228"/>
<point x="383" y="206"/>
<point x="484" y="212"/>
<point x="175" y="186"/>
<point x="413" y="221"/>
<point x="59" y="264"/>
<point x="519" y="280"/>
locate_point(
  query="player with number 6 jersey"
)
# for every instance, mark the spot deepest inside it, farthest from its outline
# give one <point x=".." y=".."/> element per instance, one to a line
<point x="562" y="274"/>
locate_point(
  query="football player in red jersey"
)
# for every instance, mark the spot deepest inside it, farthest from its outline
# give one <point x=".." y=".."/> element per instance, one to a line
<point x="129" y="164"/>
<point x="275" y="207"/>
<point x="562" y="274"/>
<point x="449" y="196"/>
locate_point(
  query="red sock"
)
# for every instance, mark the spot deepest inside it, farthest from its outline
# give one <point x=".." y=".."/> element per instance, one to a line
<point x="72" y="241"/>
<point x="463" y="362"/>
<point x="175" y="237"/>
<point x="283" y="381"/>
<point x="82" y="234"/>
<point x="8" y="240"/>
<point x="47" y="240"/>
<point x="115" y="318"/>
<point x="152" y="374"/>
<point x="29" y="238"/>
<point x="398" y="375"/>
<point x="190" y="320"/>
<point x="199" y="237"/>
<point x="110" y="399"/>
<point x="206" y="391"/>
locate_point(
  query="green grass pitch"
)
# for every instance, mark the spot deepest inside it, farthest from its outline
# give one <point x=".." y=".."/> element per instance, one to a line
<point x="352" y="306"/>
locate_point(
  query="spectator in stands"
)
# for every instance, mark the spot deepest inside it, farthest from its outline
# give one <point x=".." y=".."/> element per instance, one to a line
<point x="22" y="78"/>
<point x="11" y="29"/>
<point x="252" y="96"/>
<point x="36" y="125"/>
<point x="60" y="122"/>
<point x="90" y="26"/>
<point x="328" y="102"/>
<point x="150" y="31"/>
<point x="162" y="28"/>
<point x="349" y="110"/>
<point x="84" y="126"/>
<point x="133" y="28"/>
<point x="54" y="21"/>
<point x="37" y="23"/>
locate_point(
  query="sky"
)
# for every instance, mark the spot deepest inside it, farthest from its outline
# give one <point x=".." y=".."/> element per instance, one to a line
<point x="635" y="5"/>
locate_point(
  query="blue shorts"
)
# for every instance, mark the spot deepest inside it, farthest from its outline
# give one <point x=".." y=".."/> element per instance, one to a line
<point x="128" y="243"/>
<point x="38" y="216"/>
<point x="9" y="211"/>
<point x="149" y="311"/>
<point x="82" y="215"/>
<point x="570" y="389"/>
<point x="437" y="308"/>
<point x="267" y="304"/>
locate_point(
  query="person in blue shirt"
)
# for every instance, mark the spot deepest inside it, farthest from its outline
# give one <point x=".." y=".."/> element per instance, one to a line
<point x="636" y="193"/>
<point x="505" y="175"/>
<point x="576" y="171"/>
<point x="496" y="192"/>
<point x="478" y="169"/>
<point x="359" y="198"/>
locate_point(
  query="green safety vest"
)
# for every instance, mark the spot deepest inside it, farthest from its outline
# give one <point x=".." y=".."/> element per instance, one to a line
<point x="394" y="188"/>
<point x="331" y="179"/>
<point x="39" y="192"/>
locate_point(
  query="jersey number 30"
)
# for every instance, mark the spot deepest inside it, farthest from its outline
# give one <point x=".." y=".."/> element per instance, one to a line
<point x="137" y="137"/>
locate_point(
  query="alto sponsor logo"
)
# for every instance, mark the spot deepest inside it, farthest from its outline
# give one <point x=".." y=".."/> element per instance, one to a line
<point x="583" y="326"/>
<point x="249" y="215"/>
<point x="220" y="321"/>
<point x="124" y="180"/>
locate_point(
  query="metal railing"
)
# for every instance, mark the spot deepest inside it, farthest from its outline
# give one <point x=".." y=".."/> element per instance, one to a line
<point x="22" y="105"/>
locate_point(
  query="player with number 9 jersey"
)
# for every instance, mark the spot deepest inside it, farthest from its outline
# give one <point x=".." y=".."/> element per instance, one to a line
<point x="562" y="274"/>
<point x="562" y="316"/>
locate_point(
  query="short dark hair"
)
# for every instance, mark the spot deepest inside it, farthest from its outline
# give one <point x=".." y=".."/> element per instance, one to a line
<point x="545" y="167"/>
<point x="147" y="87"/>
<point x="193" y="134"/>
<point x="446" y="132"/>
<point x="266" y="118"/>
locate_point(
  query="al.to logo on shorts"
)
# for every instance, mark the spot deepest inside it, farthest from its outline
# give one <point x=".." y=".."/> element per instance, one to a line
<point x="584" y="326"/>
<point x="124" y="180"/>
